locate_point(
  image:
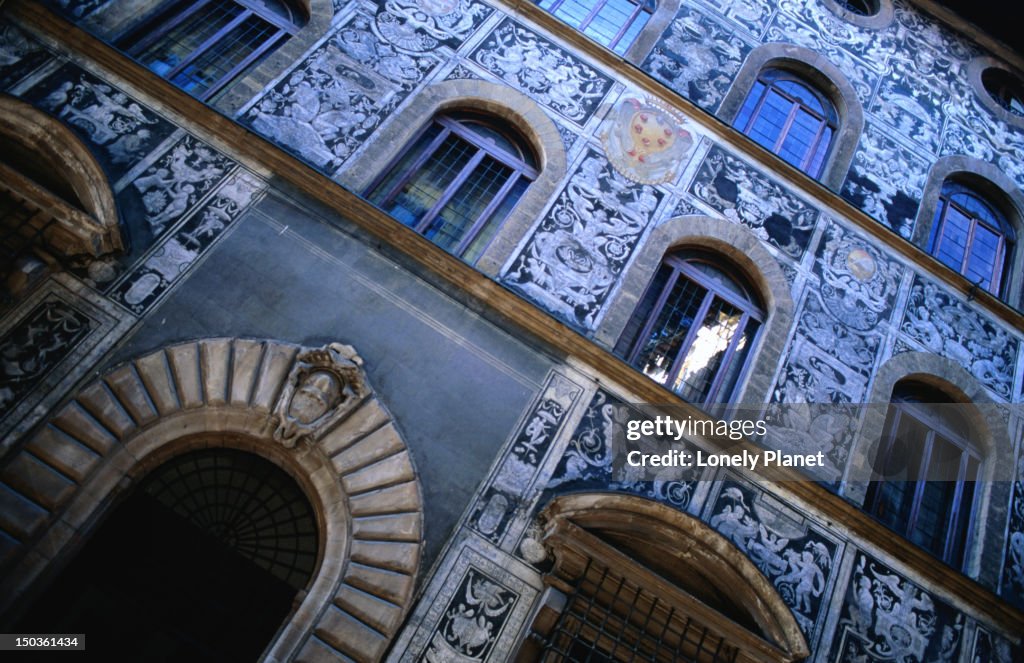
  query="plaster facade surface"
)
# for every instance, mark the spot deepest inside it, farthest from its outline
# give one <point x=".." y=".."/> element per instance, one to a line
<point x="495" y="418"/>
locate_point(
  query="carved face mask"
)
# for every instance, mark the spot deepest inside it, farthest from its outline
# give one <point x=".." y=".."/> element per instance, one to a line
<point x="319" y="393"/>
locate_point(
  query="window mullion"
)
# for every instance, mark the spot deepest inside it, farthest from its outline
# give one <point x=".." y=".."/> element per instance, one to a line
<point x="691" y="333"/>
<point x="585" y="23"/>
<point x="206" y="45"/>
<point x="919" y="484"/>
<point x="969" y="246"/>
<point x="414" y="167"/>
<point x="450" y="190"/>
<point x="813" y="149"/>
<point x="626" y="25"/>
<point x="954" y="517"/>
<point x="716" y="385"/>
<point x="267" y="44"/>
<point x="159" y="33"/>
<point x="479" y="222"/>
<point x="790" y="118"/>
<point x="652" y="317"/>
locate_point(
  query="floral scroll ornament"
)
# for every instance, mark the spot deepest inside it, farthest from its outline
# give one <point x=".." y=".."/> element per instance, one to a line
<point x="324" y="385"/>
<point x="646" y="141"/>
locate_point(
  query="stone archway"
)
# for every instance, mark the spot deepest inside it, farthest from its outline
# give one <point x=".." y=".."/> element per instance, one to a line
<point x="310" y="411"/>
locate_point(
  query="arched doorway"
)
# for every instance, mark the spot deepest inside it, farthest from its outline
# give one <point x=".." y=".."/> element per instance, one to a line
<point x="202" y="561"/>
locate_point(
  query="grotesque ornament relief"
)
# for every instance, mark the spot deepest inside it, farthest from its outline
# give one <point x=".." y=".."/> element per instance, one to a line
<point x="888" y="618"/>
<point x="887" y="181"/>
<point x="1013" y="564"/>
<point x="581" y="247"/>
<point x="19" y="54"/>
<point x="697" y="57"/>
<point x="419" y="26"/>
<point x="334" y="99"/>
<point x="753" y="15"/>
<point x="993" y="648"/>
<point x="796" y="555"/>
<point x="171" y="185"/>
<point x="323" y="386"/>
<point x="646" y="141"/>
<point x="948" y="327"/>
<point x="744" y="195"/>
<point x="103" y="116"/>
<point x="551" y="76"/>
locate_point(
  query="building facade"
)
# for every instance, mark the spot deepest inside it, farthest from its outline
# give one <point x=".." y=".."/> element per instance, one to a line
<point x="320" y="318"/>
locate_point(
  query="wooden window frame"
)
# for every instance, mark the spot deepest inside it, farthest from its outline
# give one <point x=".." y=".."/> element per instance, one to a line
<point x="899" y="408"/>
<point x="520" y="168"/>
<point x="681" y="267"/>
<point x="828" y="120"/>
<point x="176" y="13"/>
<point x="638" y="9"/>
<point x="1005" y="233"/>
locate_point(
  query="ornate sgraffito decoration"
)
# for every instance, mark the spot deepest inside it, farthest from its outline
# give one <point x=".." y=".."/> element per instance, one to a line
<point x="646" y="141"/>
<point x="335" y="98"/>
<point x="176" y="181"/>
<point x="744" y="195"/>
<point x="79" y="8"/>
<point x="577" y="254"/>
<point x="993" y="648"/>
<point x="948" y="327"/>
<point x="32" y="347"/>
<point x="19" y="54"/>
<point x="461" y="72"/>
<point x="166" y="265"/>
<point x="419" y="26"/>
<point x="1012" y="586"/>
<point x="795" y="554"/>
<point x="887" y="180"/>
<point x="697" y="57"/>
<point x="858" y="283"/>
<point x="122" y="129"/>
<point x="538" y="68"/>
<point x="885" y="617"/>
<point x="587" y="461"/>
<point x="753" y="16"/>
<point x="472" y="620"/>
<point x="812" y="375"/>
<point x="529" y="446"/>
<point x="323" y="386"/>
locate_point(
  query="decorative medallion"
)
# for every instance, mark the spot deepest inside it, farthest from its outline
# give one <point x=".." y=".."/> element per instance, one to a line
<point x="646" y="142"/>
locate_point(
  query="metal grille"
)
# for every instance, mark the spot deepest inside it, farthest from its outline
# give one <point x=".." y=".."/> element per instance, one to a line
<point x="245" y="502"/>
<point x="609" y="618"/>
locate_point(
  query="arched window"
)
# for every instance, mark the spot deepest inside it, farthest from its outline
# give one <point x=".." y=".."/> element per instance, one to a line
<point x="694" y="328"/>
<point x="860" y="7"/>
<point x="787" y="115"/>
<point x="457" y="181"/>
<point x="612" y="23"/>
<point x="202" y="45"/>
<point x="928" y="469"/>
<point x="971" y="236"/>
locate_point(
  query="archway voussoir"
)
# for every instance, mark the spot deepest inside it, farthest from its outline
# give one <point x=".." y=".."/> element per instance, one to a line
<point x="215" y="362"/>
<point x="62" y="451"/>
<point x="391" y="527"/>
<point x="245" y="362"/>
<point x="131" y="393"/>
<point x="379" y="444"/>
<point x="390" y="586"/>
<point x="184" y="366"/>
<point x="350" y="636"/>
<point x="382" y="615"/>
<point x="277" y="361"/>
<point x="155" y="374"/>
<point x="390" y="555"/>
<point x="395" y="499"/>
<point x="317" y="651"/>
<point x="99" y="402"/>
<point x="387" y="472"/>
<point x="367" y="418"/>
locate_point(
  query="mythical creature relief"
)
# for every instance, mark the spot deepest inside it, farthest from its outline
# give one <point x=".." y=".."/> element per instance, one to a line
<point x="920" y="29"/>
<point x="948" y="327"/>
<point x="334" y="99"/>
<point x="579" y="251"/>
<point x="102" y="115"/>
<point x="177" y="180"/>
<point x="19" y="54"/>
<point x="419" y="26"/>
<point x="35" y="345"/>
<point x="697" y="57"/>
<point x="913" y="107"/>
<point x="871" y="47"/>
<point x="798" y="557"/>
<point x="550" y="75"/>
<point x="472" y="620"/>
<point x="744" y="195"/>
<point x="587" y="460"/>
<point x="887" y="180"/>
<point x="888" y="618"/>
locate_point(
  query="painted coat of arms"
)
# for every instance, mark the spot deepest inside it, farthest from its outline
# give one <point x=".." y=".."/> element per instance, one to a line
<point x="646" y="142"/>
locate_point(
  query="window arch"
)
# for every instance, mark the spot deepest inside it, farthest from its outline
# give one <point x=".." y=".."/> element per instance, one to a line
<point x="972" y="236"/>
<point x="202" y="45"/>
<point x="925" y="471"/>
<point x="789" y="116"/>
<point x="457" y="181"/>
<point x="694" y="327"/>
<point x="612" y="23"/>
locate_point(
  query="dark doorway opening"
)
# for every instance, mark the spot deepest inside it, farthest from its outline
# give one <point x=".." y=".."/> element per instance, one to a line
<point x="201" y="563"/>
